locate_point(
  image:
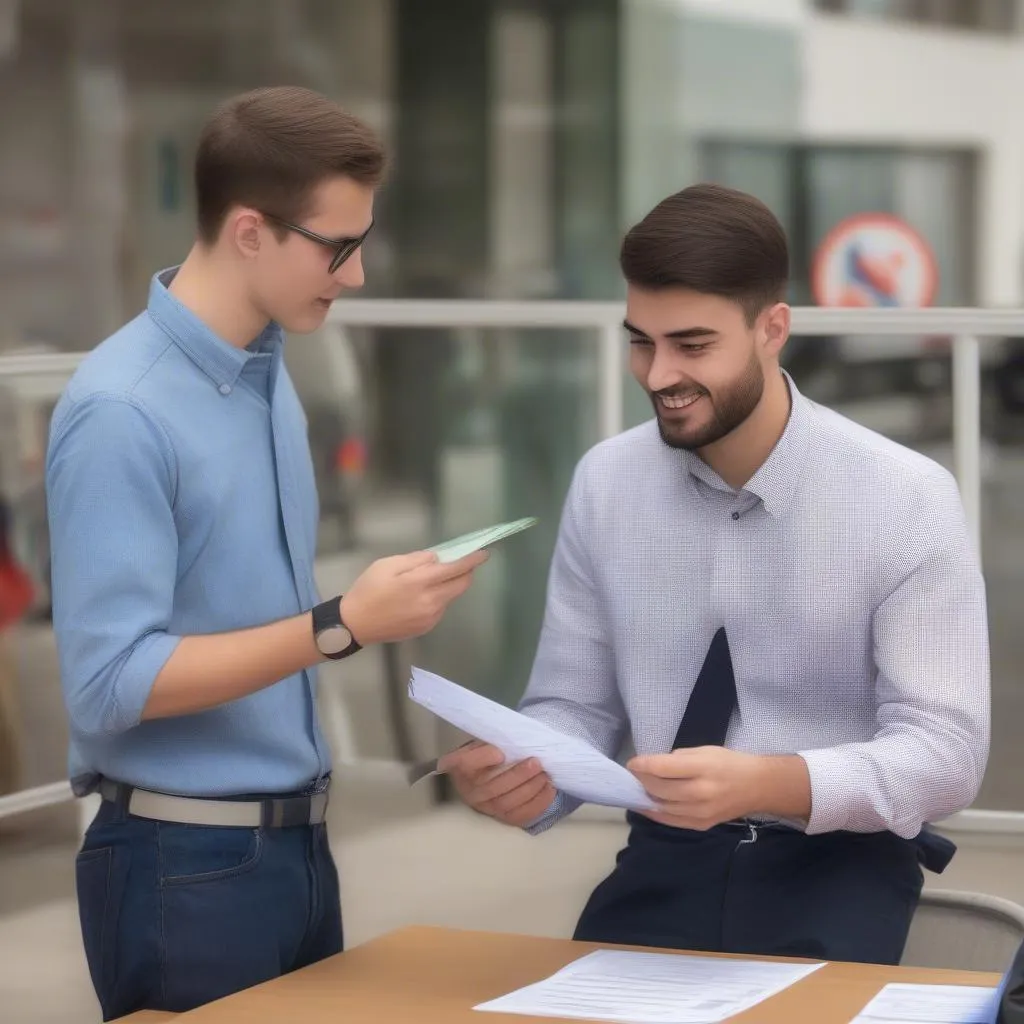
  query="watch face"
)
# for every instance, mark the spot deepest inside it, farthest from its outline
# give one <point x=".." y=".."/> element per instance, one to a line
<point x="333" y="640"/>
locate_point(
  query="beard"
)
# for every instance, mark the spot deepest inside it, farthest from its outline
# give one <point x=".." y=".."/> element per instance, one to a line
<point x="730" y="406"/>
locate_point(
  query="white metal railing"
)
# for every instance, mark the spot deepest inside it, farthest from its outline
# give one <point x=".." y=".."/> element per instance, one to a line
<point x="967" y="327"/>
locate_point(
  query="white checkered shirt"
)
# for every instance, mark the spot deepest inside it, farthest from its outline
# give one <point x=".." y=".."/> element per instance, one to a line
<point x="850" y="592"/>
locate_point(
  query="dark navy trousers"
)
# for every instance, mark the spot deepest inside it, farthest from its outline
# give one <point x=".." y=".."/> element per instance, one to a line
<point x="766" y="890"/>
<point x="175" y="916"/>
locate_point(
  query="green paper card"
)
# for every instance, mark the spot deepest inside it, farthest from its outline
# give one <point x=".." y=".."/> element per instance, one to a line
<point x="453" y="550"/>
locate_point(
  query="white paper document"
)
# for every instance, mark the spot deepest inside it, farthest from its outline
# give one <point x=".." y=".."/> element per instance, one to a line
<point x="573" y="766"/>
<point x="930" y="1004"/>
<point x="660" y="988"/>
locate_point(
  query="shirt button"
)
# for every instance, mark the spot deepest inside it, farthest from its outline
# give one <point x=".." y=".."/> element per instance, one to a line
<point x="735" y="515"/>
<point x="225" y="389"/>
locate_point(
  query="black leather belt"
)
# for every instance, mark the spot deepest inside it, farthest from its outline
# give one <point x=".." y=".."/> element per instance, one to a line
<point x="934" y="851"/>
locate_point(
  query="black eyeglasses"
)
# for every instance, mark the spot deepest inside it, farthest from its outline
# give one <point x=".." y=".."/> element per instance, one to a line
<point x="343" y="247"/>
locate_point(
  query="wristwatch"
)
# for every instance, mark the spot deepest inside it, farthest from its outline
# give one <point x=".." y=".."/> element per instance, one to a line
<point x="333" y="638"/>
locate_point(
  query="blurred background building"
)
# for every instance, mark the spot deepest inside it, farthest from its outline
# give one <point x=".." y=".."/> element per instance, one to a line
<point x="525" y="135"/>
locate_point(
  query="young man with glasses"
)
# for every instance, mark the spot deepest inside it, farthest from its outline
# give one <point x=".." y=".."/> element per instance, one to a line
<point x="183" y="514"/>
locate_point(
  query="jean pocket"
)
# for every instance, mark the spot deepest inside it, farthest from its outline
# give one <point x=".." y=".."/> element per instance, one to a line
<point x="192" y="854"/>
<point x="99" y="897"/>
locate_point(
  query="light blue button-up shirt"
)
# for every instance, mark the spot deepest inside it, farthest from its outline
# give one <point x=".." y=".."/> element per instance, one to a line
<point x="181" y="500"/>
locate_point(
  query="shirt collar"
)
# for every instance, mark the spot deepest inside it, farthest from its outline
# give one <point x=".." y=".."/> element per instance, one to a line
<point x="221" y="361"/>
<point x="778" y="478"/>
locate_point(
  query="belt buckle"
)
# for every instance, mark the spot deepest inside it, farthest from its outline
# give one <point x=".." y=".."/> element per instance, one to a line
<point x="285" y="812"/>
<point x="319" y="802"/>
<point x="293" y="811"/>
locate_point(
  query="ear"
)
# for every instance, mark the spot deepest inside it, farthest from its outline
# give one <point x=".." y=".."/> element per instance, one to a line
<point x="245" y="228"/>
<point x="776" y="320"/>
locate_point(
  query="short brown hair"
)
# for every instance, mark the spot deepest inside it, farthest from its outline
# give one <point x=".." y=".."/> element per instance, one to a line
<point x="270" y="148"/>
<point x="713" y="240"/>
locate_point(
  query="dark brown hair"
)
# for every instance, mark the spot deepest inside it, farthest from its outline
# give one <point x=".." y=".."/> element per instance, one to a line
<point x="713" y="240"/>
<point x="270" y="148"/>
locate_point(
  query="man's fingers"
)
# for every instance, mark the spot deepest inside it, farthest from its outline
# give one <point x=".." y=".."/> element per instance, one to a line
<point x="451" y="589"/>
<point x="442" y="572"/>
<point x="677" y="790"/>
<point x="505" y="781"/>
<point x="468" y="563"/>
<point x="413" y="560"/>
<point x="470" y="759"/>
<point x="534" y="809"/>
<point x="514" y="793"/>
<point x="680" y="764"/>
<point x="518" y="797"/>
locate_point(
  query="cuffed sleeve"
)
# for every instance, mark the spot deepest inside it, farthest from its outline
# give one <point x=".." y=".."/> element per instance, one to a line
<point x="573" y="686"/>
<point x="110" y="481"/>
<point x="930" y="638"/>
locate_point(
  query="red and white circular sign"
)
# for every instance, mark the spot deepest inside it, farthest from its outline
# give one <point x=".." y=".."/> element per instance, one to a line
<point x="874" y="259"/>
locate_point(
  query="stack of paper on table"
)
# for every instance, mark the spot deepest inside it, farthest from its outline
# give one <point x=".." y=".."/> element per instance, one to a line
<point x="931" y="1004"/>
<point x="652" y="988"/>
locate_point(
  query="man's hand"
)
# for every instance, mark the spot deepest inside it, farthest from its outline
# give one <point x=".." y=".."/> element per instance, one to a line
<point x="395" y="599"/>
<point x="405" y="596"/>
<point x="514" y="794"/>
<point x="701" y="787"/>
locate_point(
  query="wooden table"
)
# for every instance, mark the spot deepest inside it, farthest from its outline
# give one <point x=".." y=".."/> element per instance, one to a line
<point x="427" y="975"/>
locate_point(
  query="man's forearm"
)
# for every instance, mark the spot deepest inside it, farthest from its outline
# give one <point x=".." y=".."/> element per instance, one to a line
<point x="784" y="788"/>
<point x="394" y="599"/>
<point x="206" y="671"/>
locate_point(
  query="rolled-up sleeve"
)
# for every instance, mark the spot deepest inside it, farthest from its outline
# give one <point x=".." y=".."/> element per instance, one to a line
<point x="110" y="481"/>
<point x="930" y="640"/>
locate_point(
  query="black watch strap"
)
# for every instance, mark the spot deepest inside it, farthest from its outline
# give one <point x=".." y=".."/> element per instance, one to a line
<point x="333" y="638"/>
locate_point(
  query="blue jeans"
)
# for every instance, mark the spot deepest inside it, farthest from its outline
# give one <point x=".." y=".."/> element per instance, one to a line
<point x="175" y="916"/>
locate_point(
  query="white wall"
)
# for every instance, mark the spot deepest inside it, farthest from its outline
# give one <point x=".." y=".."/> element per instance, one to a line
<point x="656" y="151"/>
<point x="889" y="83"/>
<point x="697" y="69"/>
<point x="859" y="81"/>
<point x="784" y="12"/>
